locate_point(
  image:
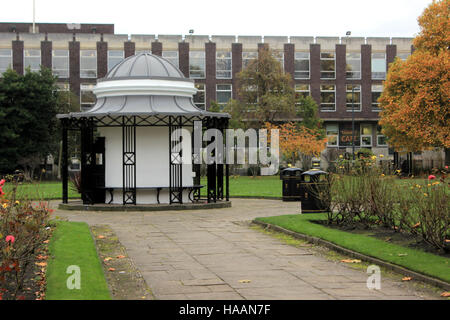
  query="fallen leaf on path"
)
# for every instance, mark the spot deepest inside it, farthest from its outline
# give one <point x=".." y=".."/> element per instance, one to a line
<point x="416" y="225"/>
<point x="351" y="261"/>
<point x="245" y="281"/>
<point x="41" y="257"/>
<point x="46" y="241"/>
<point x="111" y="269"/>
<point x="406" y="279"/>
<point x="41" y="264"/>
<point x="402" y="254"/>
<point x="445" y="294"/>
<point x="120" y="257"/>
<point x="101" y="237"/>
<point x="107" y="259"/>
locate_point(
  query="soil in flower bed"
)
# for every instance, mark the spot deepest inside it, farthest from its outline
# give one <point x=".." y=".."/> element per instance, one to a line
<point x="388" y="235"/>
<point x="34" y="278"/>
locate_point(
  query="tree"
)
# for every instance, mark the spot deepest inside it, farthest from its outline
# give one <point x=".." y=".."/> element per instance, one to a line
<point x="415" y="101"/>
<point x="28" y="108"/>
<point x="265" y="93"/>
<point x="298" y="141"/>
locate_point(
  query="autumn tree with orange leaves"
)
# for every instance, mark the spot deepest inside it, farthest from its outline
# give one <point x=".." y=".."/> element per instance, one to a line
<point x="297" y="141"/>
<point x="416" y="98"/>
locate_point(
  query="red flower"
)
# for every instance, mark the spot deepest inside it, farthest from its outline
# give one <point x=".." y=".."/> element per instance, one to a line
<point x="431" y="177"/>
<point x="1" y="191"/>
<point x="10" y="238"/>
<point x="2" y="182"/>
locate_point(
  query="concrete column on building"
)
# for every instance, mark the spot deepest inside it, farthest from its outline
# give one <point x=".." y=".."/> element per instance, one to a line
<point x="74" y="66"/>
<point x="183" y="56"/>
<point x="341" y="82"/>
<point x="157" y="48"/>
<point x="46" y="54"/>
<point x="129" y="48"/>
<point x="102" y="58"/>
<point x="366" y="77"/>
<point x="314" y="50"/>
<point x="210" y="57"/>
<point x="236" y="56"/>
<point x="17" y="51"/>
<point x="289" y="53"/>
<point x="391" y="52"/>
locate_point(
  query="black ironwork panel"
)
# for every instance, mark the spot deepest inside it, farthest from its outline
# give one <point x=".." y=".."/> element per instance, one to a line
<point x="87" y="161"/>
<point x="129" y="160"/>
<point x="175" y="162"/>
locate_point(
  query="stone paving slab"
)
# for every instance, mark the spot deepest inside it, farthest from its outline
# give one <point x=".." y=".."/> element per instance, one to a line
<point x="206" y="254"/>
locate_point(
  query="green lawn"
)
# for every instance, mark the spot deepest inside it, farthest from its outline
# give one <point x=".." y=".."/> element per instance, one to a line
<point x="240" y="186"/>
<point x="47" y="190"/>
<point x="72" y="244"/>
<point x="413" y="259"/>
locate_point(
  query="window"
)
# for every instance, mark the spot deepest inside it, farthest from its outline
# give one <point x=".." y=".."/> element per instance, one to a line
<point x="172" y="56"/>
<point x="353" y="68"/>
<point x="327" y="97"/>
<point x="327" y="65"/>
<point x="197" y="64"/>
<point x="332" y="134"/>
<point x="60" y="63"/>
<point x="353" y="97"/>
<point x="223" y="65"/>
<point x="199" y="97"/>
<point x="247" y="57"/>
<point x="87" y="96"/>
<point x="403" y="55"/>
<point x="301" y="90"/>
<point x="136" y="52"/>
<point x="223" y="93"/>
<point x="5" y="60"/>
<point x="88" y="64"/>
<point x="301" y="65"/>
<point x="376" y="93"/>
<point x="381" y="138"/>
<point x="279" y="55"/>
<point x="64" y="91"/>
<point x="32" y="59"/>
<point x="366" y="135"/>
<point x="114" y="57"/>
<point x="378" y="65"/>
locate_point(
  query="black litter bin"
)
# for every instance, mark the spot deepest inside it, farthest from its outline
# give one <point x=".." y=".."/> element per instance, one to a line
<point x="292" y="178"/>
<point x="313" y="181"/>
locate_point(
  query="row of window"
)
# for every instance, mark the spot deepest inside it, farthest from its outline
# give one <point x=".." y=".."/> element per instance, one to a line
<point x="342" y="134"/>
<point x="87" y="97"/>
<point x="197" y="64"/>
<point x="224" y="94"/>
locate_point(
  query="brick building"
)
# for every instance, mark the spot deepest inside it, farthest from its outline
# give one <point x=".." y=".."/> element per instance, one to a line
<point x="327" y="68"/>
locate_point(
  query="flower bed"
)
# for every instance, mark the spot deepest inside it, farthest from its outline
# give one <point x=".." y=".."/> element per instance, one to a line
<point x="24" y="231"/>
<point x="361" y="195"/>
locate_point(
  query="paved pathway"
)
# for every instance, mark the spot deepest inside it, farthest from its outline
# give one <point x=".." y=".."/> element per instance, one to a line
<point x="205" y="254"/>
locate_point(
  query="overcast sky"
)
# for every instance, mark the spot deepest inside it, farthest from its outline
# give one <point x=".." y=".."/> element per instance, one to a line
<point x="366" y="18"/>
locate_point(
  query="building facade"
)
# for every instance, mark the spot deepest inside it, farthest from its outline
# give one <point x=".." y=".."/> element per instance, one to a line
<point x="335" y="71"/>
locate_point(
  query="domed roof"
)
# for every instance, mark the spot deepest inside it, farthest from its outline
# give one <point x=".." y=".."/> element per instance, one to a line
<point x="144" y="65"/>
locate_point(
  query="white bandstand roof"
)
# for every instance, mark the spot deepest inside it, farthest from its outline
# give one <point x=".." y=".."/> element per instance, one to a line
<point x="144" y="84"/>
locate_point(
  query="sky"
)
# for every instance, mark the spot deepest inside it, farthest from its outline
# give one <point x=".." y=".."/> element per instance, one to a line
<point x="364" y="18"/>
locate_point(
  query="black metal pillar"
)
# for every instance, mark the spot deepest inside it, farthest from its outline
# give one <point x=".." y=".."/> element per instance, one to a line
<point x="175" y="162"/>
<point x="129" y="160"/>
<point x="219" y="173"/>
<point x="64" y="164"/>
<point x="211" y="168"/>
<point x="227" y="171"/>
